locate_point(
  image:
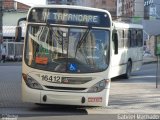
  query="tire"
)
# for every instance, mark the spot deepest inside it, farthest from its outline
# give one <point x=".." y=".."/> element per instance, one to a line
<point x="128" y="70"/>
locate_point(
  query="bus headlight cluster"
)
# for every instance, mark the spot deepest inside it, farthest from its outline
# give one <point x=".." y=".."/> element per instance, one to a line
<point x="98" y="87"/>
<point x="31" y="83"/>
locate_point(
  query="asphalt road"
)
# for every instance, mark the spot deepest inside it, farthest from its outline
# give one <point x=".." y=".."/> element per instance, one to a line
<point x="137" y="95"/>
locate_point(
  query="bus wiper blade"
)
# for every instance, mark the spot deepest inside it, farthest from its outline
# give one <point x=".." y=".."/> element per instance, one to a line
<point x="82" y="39"/>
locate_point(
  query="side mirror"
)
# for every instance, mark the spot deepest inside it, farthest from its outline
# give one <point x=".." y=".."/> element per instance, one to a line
<point x="115" y="40"/>
<point x="18" y="34"/>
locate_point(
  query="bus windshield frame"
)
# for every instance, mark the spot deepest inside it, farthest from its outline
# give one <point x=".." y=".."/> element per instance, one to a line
<point x="87" y="52"/>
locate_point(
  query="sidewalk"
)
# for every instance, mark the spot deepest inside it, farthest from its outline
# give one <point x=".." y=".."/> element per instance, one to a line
<point x="149" y="59"/>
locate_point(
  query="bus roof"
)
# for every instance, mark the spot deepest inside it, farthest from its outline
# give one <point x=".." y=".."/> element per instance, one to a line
<point x="70" y="7"/>
<point x="70" y="15"/>
<point x="126" y="25"/>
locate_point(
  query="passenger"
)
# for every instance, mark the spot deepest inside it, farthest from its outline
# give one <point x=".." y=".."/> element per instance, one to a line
<point x="4" y="54"/>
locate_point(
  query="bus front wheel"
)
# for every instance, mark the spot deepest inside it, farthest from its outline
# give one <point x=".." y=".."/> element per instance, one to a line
<point x="128" y="70"/>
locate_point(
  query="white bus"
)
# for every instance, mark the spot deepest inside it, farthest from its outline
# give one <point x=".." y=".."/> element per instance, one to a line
<point x="69" y="55"/>
<point x="127" y="55"/>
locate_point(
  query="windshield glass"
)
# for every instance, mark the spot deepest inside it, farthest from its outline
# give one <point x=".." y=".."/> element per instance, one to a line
<point x="67" y="50"/>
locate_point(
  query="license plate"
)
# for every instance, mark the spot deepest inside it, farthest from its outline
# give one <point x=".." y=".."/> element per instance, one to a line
<point x="95" y="99"/>
<point x="51" y="78"/>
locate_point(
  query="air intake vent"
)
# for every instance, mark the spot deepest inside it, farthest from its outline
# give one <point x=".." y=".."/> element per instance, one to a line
<point x="65" y="88"/>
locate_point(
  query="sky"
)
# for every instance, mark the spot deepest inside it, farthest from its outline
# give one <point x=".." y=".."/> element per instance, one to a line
<point x="32" y="2"/>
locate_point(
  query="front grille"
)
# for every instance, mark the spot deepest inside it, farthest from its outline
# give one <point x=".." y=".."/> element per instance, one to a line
<point x="76" y="80"/>
<point x="65" y="88"/>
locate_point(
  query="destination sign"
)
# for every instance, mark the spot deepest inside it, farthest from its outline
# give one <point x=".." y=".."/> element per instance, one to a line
<point x="75" y="17"/>
<point x="69" y="17"/>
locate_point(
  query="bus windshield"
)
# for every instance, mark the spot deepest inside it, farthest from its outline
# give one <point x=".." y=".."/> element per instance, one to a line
<point x="67" y="49"/>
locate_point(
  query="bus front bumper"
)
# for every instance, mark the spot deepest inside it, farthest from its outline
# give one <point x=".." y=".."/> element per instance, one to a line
<point x="65" y="98"/>
<point x="84" y="99"/>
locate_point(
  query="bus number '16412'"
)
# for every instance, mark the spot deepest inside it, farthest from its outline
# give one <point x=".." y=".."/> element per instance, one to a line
<point x="50" y="78"/>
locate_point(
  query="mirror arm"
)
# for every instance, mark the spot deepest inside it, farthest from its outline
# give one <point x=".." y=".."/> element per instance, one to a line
<point x="21" y="19"/>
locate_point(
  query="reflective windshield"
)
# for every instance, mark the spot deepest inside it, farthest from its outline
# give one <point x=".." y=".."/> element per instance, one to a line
<point x="67" y="50"/>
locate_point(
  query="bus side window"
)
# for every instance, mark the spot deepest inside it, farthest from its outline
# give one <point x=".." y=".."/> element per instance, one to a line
<point x="139" y="38"/>
<point x="115" y="41"/>
<point x="133" y="38"/>
<point x="121" y="38"/>
<point x="126" y="38"/>
<point x="129" y="38"/>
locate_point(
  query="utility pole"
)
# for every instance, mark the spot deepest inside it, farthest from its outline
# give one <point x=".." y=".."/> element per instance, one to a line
<point x="1" y="30"/>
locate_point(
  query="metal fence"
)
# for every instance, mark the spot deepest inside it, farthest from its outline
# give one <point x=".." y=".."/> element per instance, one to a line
<point x="14" y="50"/>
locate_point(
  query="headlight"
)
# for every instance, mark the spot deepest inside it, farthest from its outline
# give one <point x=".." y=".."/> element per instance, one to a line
<point x="32" y="83"/>
<point x="97" y="87"/>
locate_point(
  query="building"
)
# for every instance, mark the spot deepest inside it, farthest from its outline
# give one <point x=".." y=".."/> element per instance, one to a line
<point x="1" y="14"/>
<point x="152" y="17"/>
<point x="109" y="5"/>
<point x="119" y="9"/>
<point x="66" y="2"/>
<point x="12" y="11"/>
<point x="152" y="9"/>
<point x="130" y="10"/>
<point x="12" y="5"/>
<point x="87" y="3"/>
<point x="1" y="32"/>
<point x="151" y="23"/>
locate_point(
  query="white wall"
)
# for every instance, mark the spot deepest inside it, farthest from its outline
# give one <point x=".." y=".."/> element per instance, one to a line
<point x="10" y="22"/>
<point x="119" y="6"/>
<point x="139" y="8"/>
<point x="11" y="18"/>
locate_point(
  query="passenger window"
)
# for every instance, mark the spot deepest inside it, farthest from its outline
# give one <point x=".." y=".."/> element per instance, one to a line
<point x="120" y="40"/>
<point x="133" y="38"/>
<point x="140" y="38"/>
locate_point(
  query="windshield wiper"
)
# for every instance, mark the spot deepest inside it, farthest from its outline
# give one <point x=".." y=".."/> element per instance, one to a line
<point x="82" y="39"/>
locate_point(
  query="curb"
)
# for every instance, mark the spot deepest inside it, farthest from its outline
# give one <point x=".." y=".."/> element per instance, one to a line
<point x="150" y="62"/>
<point x="11" y="64"/>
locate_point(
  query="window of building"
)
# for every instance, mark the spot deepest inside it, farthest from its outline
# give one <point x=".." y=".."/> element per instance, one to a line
<point x="103" y="2"/>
